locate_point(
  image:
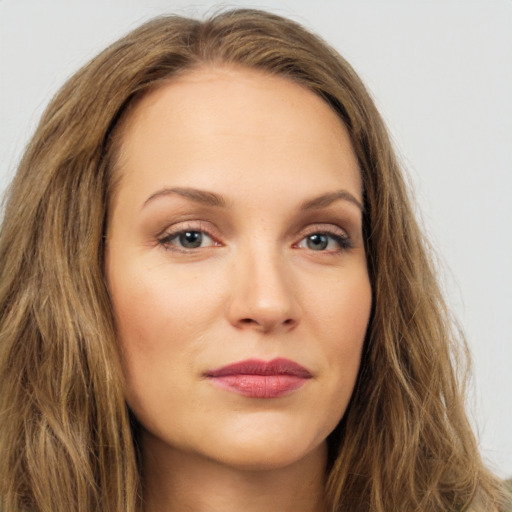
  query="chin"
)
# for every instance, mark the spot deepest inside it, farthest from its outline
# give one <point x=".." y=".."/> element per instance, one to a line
<point x="259" y="453"/>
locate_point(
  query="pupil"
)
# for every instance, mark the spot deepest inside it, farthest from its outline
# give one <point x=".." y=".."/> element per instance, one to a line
<point x="317" y="242"/>
<point x="191" y="239"/>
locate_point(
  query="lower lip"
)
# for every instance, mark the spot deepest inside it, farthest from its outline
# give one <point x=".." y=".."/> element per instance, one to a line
<point x="260" y="386"/>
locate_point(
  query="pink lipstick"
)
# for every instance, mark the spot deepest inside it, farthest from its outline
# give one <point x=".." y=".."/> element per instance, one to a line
<point x="260" y="379"/>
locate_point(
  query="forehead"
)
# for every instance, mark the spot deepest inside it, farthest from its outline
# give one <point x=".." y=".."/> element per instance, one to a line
<point x="223" y="117"/>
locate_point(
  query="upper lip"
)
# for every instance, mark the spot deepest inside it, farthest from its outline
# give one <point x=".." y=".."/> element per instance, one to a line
<point x="279" y="366"/>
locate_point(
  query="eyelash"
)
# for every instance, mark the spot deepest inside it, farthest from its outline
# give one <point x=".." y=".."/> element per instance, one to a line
<point x="342" y="240"/>
<point x="166" y="240"/>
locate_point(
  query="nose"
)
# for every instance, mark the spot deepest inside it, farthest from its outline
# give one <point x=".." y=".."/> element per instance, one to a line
<point x="264" y="294"/>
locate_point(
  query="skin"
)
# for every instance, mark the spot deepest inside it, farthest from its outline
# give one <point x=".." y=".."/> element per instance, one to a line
<point x="268" y="279"/>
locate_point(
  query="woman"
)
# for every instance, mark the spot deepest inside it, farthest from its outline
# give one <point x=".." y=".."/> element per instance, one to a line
<point x="214" y="294"/>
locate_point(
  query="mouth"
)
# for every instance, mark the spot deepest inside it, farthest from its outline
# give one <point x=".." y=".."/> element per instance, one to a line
<point x="260" y="379"/>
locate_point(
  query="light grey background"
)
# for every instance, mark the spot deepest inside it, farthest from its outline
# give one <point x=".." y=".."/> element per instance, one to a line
<point x="441" y="74"/>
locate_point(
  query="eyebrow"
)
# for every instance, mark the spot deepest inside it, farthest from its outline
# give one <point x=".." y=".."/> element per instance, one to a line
<point x="215" y="200"/>
<point x="196" y="195"/>
<point x="327" y="199"/>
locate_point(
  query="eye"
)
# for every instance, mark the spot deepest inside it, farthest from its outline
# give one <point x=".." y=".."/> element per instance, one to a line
<point x="187" y="239"/>
<point x="324" y="241"/>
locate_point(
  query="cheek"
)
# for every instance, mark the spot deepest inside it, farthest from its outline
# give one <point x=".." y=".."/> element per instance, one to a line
<point x="153" y="306"/>
<point x="161" y="321"/>
<point x="341" y="311"/>
<point x="342" y="316"/>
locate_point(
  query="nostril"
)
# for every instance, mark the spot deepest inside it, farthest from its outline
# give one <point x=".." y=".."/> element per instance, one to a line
<point x="264" y="324"/>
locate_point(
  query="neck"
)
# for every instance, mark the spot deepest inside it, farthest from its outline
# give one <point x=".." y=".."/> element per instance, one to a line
<point x="177" y="481"/>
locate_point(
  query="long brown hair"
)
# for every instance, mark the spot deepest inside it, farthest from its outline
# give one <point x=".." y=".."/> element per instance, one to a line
<point x="66" y="439"/>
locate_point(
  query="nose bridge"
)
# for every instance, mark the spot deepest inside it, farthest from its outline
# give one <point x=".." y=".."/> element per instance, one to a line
<point x="263" y="291"/>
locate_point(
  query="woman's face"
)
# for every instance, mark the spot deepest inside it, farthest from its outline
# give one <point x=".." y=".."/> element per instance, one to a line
<point x="236" y="266"/>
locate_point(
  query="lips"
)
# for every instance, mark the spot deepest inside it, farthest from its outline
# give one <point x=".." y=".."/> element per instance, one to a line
<point x="260" y="379"/>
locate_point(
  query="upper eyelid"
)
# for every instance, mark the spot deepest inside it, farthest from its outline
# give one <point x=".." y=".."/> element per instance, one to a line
<point x="326" y="228"/>
<point x="187" y="225"/>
